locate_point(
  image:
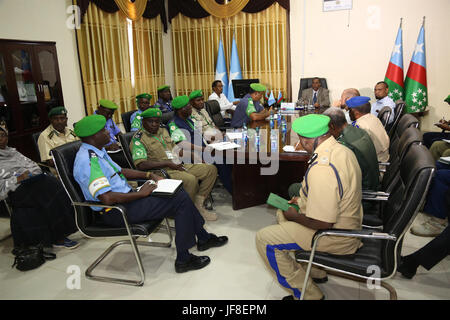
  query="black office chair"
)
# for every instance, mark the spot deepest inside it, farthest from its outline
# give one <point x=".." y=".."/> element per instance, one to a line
<point x="213" y="109"/>
<point x="384" y="114"/>
<point x="166" y="117"/>
<point x="42" y="165"/>
<point x="85" y="218"/>
<point x="380" y="249"/>
<point x="406" y="121"/>
<point x="373" y="218"/>
<point x="306" y="83"/>
<point x="126" y="117"/>
<point x="398" y="113"/>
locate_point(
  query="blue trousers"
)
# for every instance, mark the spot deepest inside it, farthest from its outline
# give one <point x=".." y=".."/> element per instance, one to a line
<point x="436" y="204"/>
<point x="430" y="137"/>
<point x="188" y="221"/>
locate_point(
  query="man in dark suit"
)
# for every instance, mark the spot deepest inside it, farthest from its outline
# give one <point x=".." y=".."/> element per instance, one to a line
<point x="318" y="96"/>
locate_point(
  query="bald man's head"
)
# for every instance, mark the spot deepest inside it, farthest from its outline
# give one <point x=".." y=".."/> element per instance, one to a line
<point x="347" y="94"/>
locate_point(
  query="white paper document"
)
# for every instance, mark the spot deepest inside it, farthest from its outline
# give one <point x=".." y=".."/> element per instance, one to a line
<point x="234" y="135"/>
<point x="165" y="186"/>
<point x="292" y="149"/>
<point x="446" y="140"/>
<point x="224" y="145"/>
<point x="445" y="160"/>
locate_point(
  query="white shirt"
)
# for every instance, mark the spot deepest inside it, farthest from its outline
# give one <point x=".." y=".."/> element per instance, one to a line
<point x="223" y="102"/>
<point x="385" y="102"/>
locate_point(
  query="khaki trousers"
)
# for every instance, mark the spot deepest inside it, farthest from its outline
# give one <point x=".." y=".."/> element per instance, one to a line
<point x="276" y="247"/>
<point x="206" y="173"/>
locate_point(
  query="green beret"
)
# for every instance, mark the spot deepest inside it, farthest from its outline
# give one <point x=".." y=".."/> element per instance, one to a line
<point x="108" y="104"/>
<point x="144" y="96"/>
<point x="258" y="87"/>
<point x="90" y="125"/>
<point x="447" y="99"/>
<point x="311" y="126"/>
<point x="57" y="111"/>
<point x="196" y="94"/>
<point x="180" y="102"/>
<point x="151" y="113"/>
<point x="164" y="87"/>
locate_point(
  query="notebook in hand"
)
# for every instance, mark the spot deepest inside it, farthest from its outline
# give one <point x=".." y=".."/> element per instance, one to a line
<point x="445" y="160"/>
<point x="280" y="203"/>
<point x="166" y="187"/>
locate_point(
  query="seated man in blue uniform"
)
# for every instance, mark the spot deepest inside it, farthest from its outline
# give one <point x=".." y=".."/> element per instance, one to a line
<point x="103" y="180"/>
<point x="250" y="108"/>
<point x="143" y="103"/>
<point x="182" y="120"/>
<point x="164" y="102"/>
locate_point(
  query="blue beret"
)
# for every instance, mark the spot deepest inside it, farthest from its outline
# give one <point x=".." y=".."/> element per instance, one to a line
<point x="357" y="101"/>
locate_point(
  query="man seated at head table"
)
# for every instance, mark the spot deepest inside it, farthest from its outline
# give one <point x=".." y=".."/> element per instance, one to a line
<point x="143" y="103"/>
<point x="103" y="180"/>
<point x="183" y="132"/>
<point x="318" y="96"/>
<point x="334" y="172"/>
<point x="249" y="107"/>
<point x="152" y="148"/>
<point x="227" y="108"/>
<point x="55" y="135"/>
<point x="362" y="118"/>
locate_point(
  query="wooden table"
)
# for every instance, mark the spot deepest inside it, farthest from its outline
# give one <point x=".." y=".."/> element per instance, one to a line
<point x="250" y="187"/>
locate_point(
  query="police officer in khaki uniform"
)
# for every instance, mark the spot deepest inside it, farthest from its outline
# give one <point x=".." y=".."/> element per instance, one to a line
<point x="152" y="148"/>
<point x="334" y="172"/>
<point x="362" y="118"/>
<point x="55" y="135"/>
<point x="201" y="116"/>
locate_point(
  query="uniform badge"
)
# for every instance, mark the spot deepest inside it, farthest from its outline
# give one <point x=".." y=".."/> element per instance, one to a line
<point x="137" y="143"/>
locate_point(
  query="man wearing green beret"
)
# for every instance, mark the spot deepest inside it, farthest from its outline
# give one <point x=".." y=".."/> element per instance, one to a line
<point x="143" y="103"/>
<point x="102" y="180"/>
<point x="250" y="108"/>
<point x="107" y="108"/>
<point x="334" y="172"/>
<point x="164" y="102"/>
<point x="201" y="116"/>
<point x="152" y="148"/>
<point x="56" y="134"/>
<point x="184" y="133"/>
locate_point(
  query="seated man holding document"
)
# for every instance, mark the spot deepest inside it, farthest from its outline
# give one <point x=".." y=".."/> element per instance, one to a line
<point x="103" y="180"/>
<point x="152" y="148"/>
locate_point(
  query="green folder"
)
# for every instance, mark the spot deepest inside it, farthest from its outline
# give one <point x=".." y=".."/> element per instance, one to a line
<point x="280" y="203"/>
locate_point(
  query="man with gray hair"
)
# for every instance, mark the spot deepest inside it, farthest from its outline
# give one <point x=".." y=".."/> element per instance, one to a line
<point x="347" y="94"/>
<point x="360" y="143"/>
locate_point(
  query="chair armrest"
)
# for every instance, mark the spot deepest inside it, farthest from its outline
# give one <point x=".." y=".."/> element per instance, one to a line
<point x="97" y="204"/>
<point x="364" y="233"/>
<point x="375" y="195"/>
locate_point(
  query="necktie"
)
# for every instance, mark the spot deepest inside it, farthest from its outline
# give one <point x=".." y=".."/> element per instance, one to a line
<point x="315" y="97"/>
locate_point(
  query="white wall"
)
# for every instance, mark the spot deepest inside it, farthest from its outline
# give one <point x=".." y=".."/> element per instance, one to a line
<point x="45" y="20"/>
<point x="353" y="48"/>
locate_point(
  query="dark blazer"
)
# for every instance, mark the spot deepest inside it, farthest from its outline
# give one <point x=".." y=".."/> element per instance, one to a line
<point x="323" y="96"/>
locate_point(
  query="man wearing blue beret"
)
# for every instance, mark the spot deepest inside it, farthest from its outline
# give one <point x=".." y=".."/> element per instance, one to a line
<point x="362" y="118"/>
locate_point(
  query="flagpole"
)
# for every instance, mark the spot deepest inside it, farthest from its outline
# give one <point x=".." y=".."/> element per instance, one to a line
<point x="423" y="23"/>
<point x="401" y="22"/>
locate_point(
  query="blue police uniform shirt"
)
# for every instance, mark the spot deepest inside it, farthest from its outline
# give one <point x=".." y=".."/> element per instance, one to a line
<point x="113" y="130"/>
<point x="164" y="106"/>
<point x="188" y="125"/>
<point x="93" y="171"/>
<point x="240" y="114"/>
<point x="133" y="116"/>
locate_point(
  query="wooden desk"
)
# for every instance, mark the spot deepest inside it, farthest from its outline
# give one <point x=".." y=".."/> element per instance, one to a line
<point x="250" y="187"/>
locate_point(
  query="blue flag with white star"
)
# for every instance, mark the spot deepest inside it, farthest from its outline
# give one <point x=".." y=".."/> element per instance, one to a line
<point x="221" y="68"/>
<point x="235" y="70"/>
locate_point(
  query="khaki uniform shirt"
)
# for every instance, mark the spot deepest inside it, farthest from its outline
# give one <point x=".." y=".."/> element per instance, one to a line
<point x="377" y="133"/>
<point x="145" y="146"/>
<point x="202" y="118"/>
<point x="51" y="138"/>
<point x="331" y="192"/>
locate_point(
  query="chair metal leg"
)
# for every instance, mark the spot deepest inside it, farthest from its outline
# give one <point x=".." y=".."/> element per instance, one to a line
<point x="137" y="255"/>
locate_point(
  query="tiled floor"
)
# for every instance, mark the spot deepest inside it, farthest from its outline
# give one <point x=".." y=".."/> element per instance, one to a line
<point x="235" y="272"/>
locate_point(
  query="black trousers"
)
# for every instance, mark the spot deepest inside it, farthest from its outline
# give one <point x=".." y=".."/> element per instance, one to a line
<point x="188" y="221"/>
<point x="437" y="249"/>
<point x="41" y="212"/>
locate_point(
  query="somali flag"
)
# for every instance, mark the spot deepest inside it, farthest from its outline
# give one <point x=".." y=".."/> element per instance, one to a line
<point x="221" y="68"/>
<point x="235" y="70"/>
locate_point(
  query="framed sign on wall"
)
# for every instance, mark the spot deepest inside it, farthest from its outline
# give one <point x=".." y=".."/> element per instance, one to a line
<point x="334" y="5"/>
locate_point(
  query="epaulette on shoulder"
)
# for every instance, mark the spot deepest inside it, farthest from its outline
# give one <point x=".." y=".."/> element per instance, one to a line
<point x="51" y="134"/>
<point x="138" y="135"/>
<point x="72" y="133"/>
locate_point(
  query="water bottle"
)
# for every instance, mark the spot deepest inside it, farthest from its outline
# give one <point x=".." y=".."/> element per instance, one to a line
<point x="271" y="120"/>
<point x="244" y="134"/>
<point x="273" y="141"/>
<point x="279" y="119"/>
<point x="257" y="139"/>
<point x="283" y="128"/>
